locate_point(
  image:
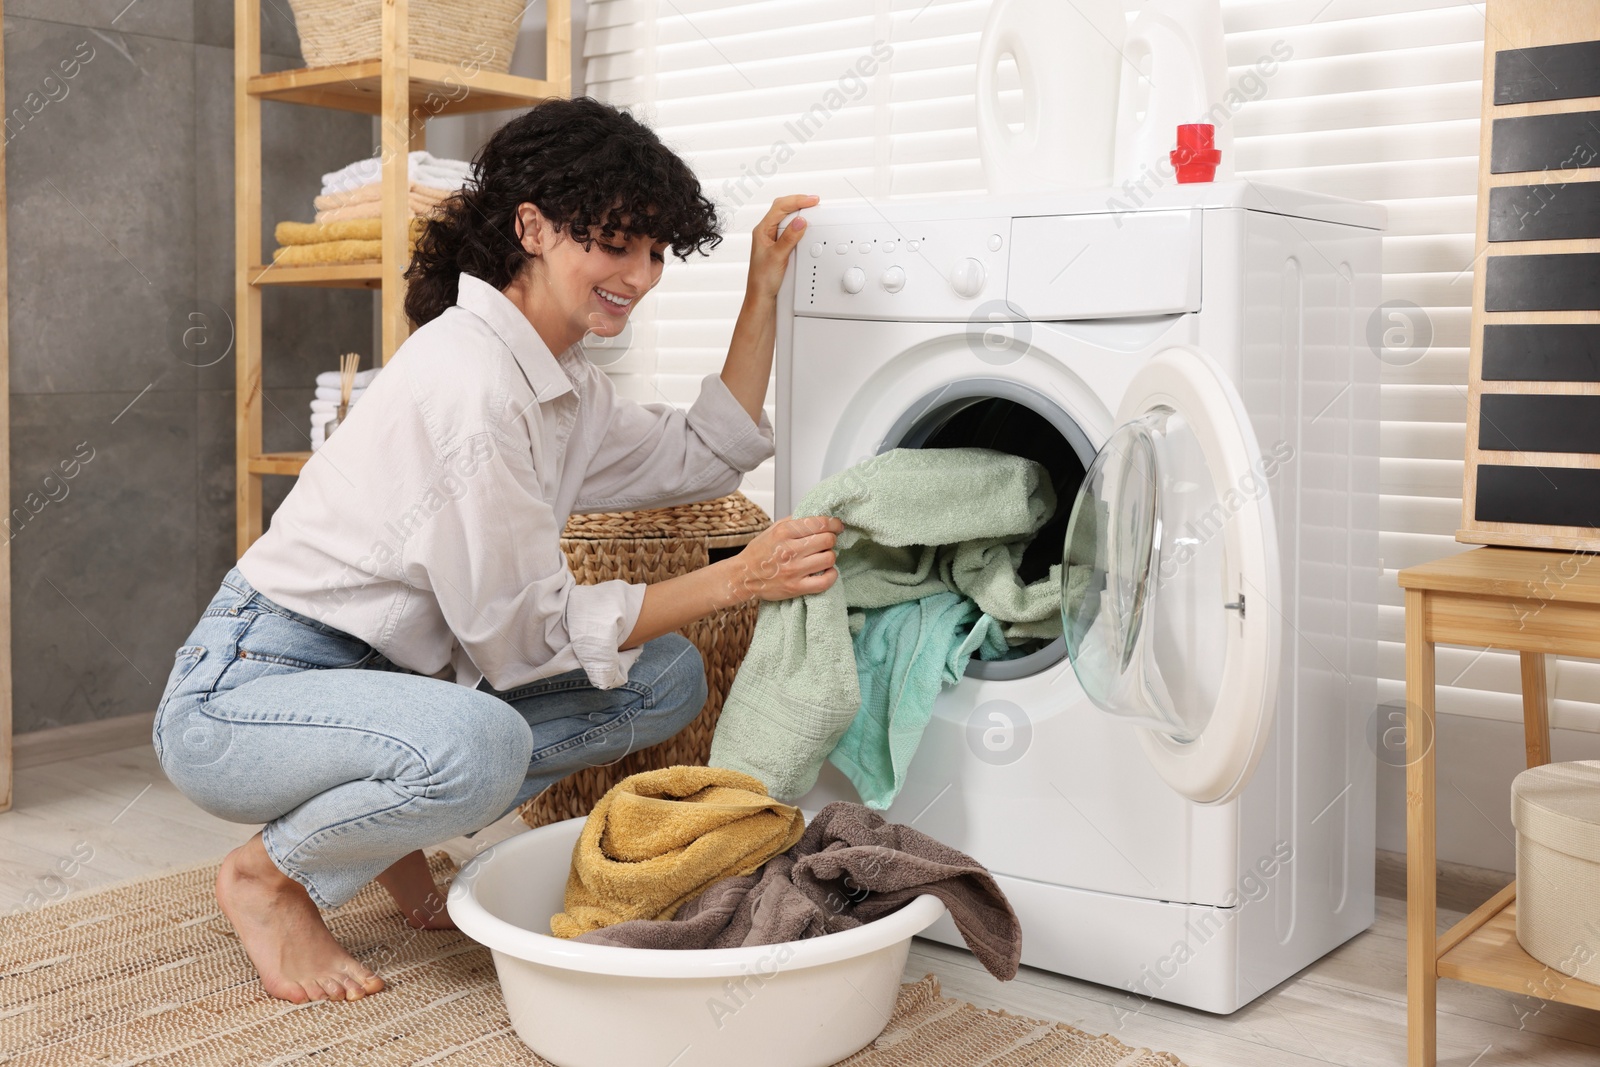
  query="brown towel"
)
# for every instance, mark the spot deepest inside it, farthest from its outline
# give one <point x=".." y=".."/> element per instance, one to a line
<point x="659" y="838"/>
<point x="849" y="868"/>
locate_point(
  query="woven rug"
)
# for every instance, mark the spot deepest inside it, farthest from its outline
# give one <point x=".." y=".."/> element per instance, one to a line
<point x="149" y="972"/>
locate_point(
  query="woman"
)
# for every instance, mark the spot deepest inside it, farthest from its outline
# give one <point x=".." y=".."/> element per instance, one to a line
<point x="404" y="657"/>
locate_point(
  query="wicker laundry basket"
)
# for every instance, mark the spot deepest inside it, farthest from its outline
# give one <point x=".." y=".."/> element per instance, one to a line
<point x="483" y="32"/>
<point x="651" y="545"/>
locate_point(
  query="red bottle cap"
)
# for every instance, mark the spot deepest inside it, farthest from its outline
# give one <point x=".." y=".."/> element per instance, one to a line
<point x="1196" y="157"/>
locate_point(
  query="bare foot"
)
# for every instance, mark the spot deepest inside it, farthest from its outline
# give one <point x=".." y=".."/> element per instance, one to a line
<point x="412" y="887"/>
<point x="283" y="933"/>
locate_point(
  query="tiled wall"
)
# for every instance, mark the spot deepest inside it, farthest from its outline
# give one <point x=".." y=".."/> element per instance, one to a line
<point x="120" y="212"/>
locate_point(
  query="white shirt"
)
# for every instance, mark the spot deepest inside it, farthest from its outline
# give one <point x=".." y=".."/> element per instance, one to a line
<point x="428" y="525"/>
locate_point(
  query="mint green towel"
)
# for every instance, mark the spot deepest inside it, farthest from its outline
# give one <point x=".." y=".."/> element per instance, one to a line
<point x="905" y="654"/>
<point x="917" y="522"/>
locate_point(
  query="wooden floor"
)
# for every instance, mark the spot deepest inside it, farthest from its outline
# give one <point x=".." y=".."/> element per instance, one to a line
<point x="92" y="808"/>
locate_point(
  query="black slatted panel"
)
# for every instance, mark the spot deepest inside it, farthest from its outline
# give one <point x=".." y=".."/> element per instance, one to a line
<point x="1543" y="283"/>
<point x="1541" y="352"/>
<point x="1538" y="422"/>
<point x="1559" y="200"/>
<point x="1552" y="72"/>
<point x="1554" y="211"/>
<point x="1540" y="496"/>
<point x="1545" y="142"/>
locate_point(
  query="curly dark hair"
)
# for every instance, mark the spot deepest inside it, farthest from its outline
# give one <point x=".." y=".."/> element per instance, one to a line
<point x="587" y="167"/>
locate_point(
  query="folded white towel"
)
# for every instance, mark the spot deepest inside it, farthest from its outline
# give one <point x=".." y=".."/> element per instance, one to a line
<point x="331" y="392"/>
<point x="362" y="380"/>
<point x="421" y="166"/>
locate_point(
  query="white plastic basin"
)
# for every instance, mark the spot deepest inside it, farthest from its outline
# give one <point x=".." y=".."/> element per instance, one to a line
<point x="797" y="1004"/>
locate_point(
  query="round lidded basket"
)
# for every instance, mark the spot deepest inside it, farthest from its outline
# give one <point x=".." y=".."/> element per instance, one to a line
<point x="651" y="545"/>
<point x="1556" y="811"/>
<point x="484" y="32"/>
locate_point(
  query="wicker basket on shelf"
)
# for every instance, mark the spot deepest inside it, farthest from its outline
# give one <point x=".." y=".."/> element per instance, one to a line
<point x="484" y="32"/>
<point x="651" y="545"/>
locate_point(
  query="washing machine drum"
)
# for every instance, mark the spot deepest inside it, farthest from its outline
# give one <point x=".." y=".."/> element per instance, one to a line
<point x="1170" y="584"/>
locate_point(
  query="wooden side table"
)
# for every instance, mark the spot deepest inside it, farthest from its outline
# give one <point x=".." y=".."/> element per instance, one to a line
<point x="1534" y="601"/>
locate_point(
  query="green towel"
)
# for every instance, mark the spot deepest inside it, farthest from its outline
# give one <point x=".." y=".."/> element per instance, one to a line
<point x="986" y="571"/>
<point x="1086" y="563"/>
<point x="905" y="654"/>
<point x="917" y="522"/>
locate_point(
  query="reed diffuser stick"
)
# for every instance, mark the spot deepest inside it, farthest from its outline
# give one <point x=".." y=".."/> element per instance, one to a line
<point x="347" y="380"/>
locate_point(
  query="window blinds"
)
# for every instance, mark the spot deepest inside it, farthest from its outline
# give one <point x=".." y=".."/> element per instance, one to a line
<point x="1377" y="100"/>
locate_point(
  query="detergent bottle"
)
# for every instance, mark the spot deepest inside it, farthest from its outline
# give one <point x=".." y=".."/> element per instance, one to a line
<point x="1067" y="57"/>
<point x="1175" y="74"/>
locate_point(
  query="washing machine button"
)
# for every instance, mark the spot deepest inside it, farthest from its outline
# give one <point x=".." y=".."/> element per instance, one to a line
<point x="995" y="241"/>
<point x="894" y="279"/>
<point x="967" y="278"/>
<point x="854" y="280"/>
<point x="841" y="249"/>
<point x="889" y="246"/>
<point x="913" y="244"/>
<point x="816" y="249"/>
<point x="864" y="247"/>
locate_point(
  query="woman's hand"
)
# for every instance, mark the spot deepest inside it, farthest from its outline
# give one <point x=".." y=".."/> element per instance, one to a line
<point x="790" y="558"/>
<point x="769" y="249"/>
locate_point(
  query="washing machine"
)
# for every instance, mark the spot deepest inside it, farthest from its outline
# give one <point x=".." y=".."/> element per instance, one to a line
<point x="1177" y="796"/>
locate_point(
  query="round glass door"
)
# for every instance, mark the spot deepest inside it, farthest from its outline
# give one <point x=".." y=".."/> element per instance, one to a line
<point x="1144" y="605"/>
<point x="1169" y="578"/>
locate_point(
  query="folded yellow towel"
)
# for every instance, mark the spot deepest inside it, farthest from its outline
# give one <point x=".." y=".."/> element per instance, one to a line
<point x="306" y="233"/>
<point x="371" y="209"/>
<point x="660" y="838"/>
<point x="324" y="253"/>
<point x="357" y="241"/>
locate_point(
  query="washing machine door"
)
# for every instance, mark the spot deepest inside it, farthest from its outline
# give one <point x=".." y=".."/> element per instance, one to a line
<point x="1170" y="583"/>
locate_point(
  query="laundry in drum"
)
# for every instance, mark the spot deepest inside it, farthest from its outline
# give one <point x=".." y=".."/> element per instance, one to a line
<point x="946" y="553"/>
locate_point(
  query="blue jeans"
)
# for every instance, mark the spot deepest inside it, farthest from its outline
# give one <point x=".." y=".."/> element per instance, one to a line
<point x="352" y="762"/>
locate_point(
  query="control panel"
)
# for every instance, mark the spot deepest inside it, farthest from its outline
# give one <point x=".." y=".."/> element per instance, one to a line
<point x="938" y="271"/>
<point x="1042" y="268"/>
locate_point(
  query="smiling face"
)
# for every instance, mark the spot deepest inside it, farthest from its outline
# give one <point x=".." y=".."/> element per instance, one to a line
<point x="568" y="290"/>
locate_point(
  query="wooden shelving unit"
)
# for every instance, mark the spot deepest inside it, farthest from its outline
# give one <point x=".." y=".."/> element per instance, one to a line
<point x="1535" y="603"/>
<point x="404" y="93"/>
<point x="339" y="275"/>
<point x="1483" y="949"/>
<point x="359" y="87"/>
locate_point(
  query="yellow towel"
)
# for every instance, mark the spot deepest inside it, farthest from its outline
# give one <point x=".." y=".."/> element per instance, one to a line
<point x="325" y="253"/>
<point x="372" y="192"/>
<point x="305" y="233"/>
<point x="659" y="838"/>
<point x="342" y="242"/>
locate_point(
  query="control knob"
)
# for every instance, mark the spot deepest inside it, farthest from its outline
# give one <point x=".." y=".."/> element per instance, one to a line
<point x="854" y="280"/>
<point x="967" y="277"/>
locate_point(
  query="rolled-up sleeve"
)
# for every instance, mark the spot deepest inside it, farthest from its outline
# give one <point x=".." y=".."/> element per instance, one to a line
<point x="484" y="541"/>
<point x="655" y="455"/>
